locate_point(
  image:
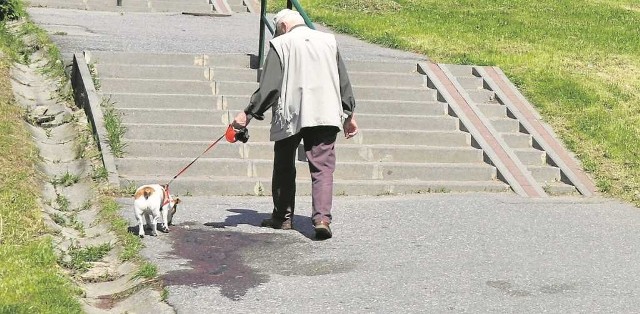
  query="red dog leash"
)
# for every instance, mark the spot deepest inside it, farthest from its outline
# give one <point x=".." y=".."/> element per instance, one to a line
<point x="230" y="134"/>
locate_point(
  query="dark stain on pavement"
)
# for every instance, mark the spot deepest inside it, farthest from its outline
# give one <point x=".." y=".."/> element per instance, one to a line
<point x="215" y="260"/>
<point x="237" y="261"/>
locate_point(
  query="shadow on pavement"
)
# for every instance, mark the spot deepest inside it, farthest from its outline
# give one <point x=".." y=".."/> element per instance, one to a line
<point x="302" y="224"/>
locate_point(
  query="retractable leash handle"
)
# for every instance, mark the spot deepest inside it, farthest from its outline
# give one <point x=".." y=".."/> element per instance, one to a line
<point x="231" y="135"/>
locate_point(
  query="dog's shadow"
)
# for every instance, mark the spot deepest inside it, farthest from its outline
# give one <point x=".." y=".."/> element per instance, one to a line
<point x="147" y="230"/>
<point x="254" y="218"/>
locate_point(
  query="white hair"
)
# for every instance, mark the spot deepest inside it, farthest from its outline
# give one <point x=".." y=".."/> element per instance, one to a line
<point x="288" y="16"/>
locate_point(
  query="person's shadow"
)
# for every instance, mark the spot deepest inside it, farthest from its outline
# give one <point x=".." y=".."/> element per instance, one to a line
<point x="302" y="224"/>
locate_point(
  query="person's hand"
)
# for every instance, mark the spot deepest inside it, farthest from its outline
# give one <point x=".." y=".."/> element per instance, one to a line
<point x="240" y="121"/>
<point x="350" y="127"/>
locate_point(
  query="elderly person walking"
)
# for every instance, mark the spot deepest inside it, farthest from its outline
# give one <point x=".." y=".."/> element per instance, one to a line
<point x="305" y="83"/>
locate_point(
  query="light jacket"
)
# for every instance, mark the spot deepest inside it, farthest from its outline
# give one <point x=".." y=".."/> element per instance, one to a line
<point x="312" y="88"/>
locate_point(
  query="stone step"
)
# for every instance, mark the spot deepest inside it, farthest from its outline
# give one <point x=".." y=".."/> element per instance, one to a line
<point x="58" y="4"/>
<point x="482" y="96"/>
<point x="199" y="186"/>
<point x="239" y="8"/>
<point x="345" y="152"/>
<point x="380" y="66"/>
<point x="398" y="107"/>
<point x="505" y="125"/>
<point x="234" y="74"/>
<point x="360" y="92"/>
<point x="559" y="188"/>
<point x="138" y="166"/>
<point x="177" y="101"/>
<point x="390" y="107"/>
<point x="235" y="2"/>
<point x="164" y="101"/>
<point x="517" y="140"/>
<point x="168" y="59"/>
<point x="544" y="173"/>
<point x="471" y="83"/>
<point x="493" y="110"/>
<point x="114" y="8"/>
<point x="145" y="86"/>
<point x="192" y="149"/>
<point x="260" y="133"/>
<point x="414" y="80"/>
<point x="166" y="72"/>
<point x="233" y="60"/>
<point x="177" y="116"/>
<point x="531" y="156"/>
<point x="161" y="72"/>
<point x="161" y="6"/>
<point x="459" y="70"/>
<point x="224" y="117"/>
<point x="142" y="86"/>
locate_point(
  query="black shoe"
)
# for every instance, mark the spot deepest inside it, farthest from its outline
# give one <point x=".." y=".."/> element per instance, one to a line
<point x="323" y="231"/>
<point x="276" y="224"/>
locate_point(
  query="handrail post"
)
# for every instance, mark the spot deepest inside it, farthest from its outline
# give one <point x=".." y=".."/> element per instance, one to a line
<point x="289" y="5"/>
<point x="304" y="15"/>
<point x="263" y="13"/>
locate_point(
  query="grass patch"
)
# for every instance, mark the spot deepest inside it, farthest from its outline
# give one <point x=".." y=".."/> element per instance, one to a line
<point x="578" y="62"/>
<point x="115" y="129"/>
<point x="164" y="295"/>
<point x="131" y="243"/>
<point x="31" y="281"/>
<point x="147" y="270"/>
<point x="65" y="180"/>
<point x="94" y="75"/>
<point x="63" y="203"/>
<point x="81" y="258"/>
<point x="100" y="173"/>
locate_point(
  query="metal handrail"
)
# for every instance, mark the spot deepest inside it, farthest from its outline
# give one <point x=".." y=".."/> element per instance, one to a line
<point x="264" y="22"/>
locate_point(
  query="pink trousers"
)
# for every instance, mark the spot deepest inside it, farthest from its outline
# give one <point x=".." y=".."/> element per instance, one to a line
<point x="319" y="147"/>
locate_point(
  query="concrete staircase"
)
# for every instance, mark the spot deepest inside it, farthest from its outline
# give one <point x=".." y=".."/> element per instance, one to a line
<point x="197" y="7"/>
<point x="175" y="105"/>
<point x="185" y="6"/>
<point x="532" y="156"/>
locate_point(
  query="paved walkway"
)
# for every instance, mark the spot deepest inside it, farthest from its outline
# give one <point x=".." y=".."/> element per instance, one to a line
<point x="429" y="253"/>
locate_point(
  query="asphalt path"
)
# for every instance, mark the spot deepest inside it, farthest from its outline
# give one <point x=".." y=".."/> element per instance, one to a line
<point x="78" y="30"/>
<point x="433" y="253"/>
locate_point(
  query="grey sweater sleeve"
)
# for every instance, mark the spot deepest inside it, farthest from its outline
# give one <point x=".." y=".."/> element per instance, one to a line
<point x="268" y="92"/>
<point x="346" y="92"/>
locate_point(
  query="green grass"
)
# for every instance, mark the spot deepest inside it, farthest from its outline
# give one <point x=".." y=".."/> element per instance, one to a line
<point x="578" y="62"/>
<point x="131" y="243"/>
<point x="63" y="203"/>
<point x="147" y="270"/>
<point x="114" y="127"/>
<point x="66" y="180"/>
<point x="82" y="257"/>
<point x="28" y="283"/>
<point x="30" y="279"/>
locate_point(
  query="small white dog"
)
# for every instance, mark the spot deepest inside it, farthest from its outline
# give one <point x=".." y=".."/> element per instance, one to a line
<point x="151" y="201"/>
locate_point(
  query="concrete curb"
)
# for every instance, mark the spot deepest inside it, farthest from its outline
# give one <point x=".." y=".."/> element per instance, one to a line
<point x="87" y="98"/>
<point x="530" y="120"/>
<point x="221" y="6"/>
<point x="253" y="6"/>
<point x="521" y="182"/>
